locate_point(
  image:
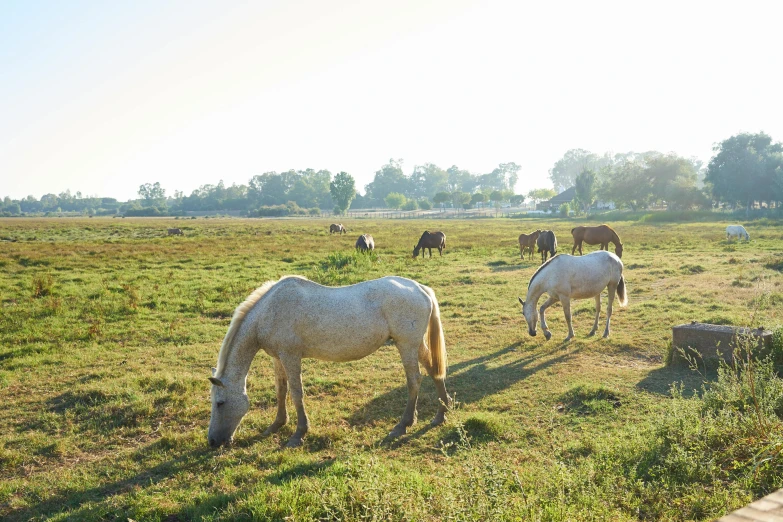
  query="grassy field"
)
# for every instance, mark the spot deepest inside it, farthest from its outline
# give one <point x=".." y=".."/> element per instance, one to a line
<point x="108" y="330"/>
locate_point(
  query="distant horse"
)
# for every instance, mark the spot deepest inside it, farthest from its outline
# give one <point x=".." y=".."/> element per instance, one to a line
<point x="547" y="244"/>
<point x="430" y="241"/>
<point x="365" y="243"/>
<point x="567" y="277"/>
<point x="528" y="241"/>
<point x="294" y="318"/>
<point x="600" y="235"/>
<point x="175" y="232"/>
<point x="337" y="227"/>
<point x="737" y="231"/>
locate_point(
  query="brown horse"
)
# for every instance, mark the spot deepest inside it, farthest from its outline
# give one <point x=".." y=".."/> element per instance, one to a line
<point x="337" y="227"/>
<point x="600" y="235"/>
<point x="430" y="240"/>
<point x="528" y="241"/>
<point x="547" y="244"/>
<point x="365" y="243"/>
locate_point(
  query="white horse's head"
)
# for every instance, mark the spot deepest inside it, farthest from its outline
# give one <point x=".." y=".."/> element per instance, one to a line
<point x="229" y="405"/>
<point x="529" y="311"/>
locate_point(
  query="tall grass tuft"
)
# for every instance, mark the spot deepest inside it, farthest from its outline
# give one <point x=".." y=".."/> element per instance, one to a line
<point x="42" y="285"/>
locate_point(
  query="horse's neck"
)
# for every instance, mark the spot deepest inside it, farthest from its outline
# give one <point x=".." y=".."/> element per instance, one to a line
<point x="537" y="289"/>
<point x="615" y="239"/>
<point x="243" y="350"/>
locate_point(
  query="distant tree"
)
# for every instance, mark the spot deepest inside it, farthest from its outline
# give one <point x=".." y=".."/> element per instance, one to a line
<point x="388" y="179"/>
<point x="585" y="189"/>
<point x="517" y="199"/>
<point x="153" y="195"/>
<point x="343" y="190"/>
<point x="424" y="204"/>
<point x="14" y="208"/>
<point x="441" y="197"/>
<point x="541" y="194"/>
<point x="747" y="168"/>
<point x="478" y="197"/>
<point x="564" y="209"/>
<point x="564" y="172"/>
<point x="394" y="200"/>
<point x="411" y="204"/>
<point x="427" y="180"/>
<point x="497" y="196"/>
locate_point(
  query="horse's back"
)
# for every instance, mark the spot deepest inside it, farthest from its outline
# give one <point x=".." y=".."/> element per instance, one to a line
<point x="341" y="323"/>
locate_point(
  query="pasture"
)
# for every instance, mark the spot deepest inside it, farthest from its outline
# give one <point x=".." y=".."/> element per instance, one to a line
<point x="109" y="328"/>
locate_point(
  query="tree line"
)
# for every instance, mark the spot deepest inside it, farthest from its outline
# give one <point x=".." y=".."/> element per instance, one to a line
<point x="746" y="168"/>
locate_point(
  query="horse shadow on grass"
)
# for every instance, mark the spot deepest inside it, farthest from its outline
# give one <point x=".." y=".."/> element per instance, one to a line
<point x="467" y="381"/>
<point x="661" y="380"/>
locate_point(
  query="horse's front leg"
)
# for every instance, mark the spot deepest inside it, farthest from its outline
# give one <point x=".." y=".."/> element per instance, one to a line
<point x="549" y="302"/>
<point x="410" y="361"/>
<point x="612" y="292"/>
<point x="281" y="390"/>
<point x="293" y="369"/>
<point x="597" y="315"/>
<point x="567" y="311"/>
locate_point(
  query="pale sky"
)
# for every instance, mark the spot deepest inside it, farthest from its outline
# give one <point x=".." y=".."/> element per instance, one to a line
<point x="101" y="97"/>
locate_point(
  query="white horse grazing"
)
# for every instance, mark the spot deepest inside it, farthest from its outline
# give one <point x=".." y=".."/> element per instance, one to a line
<point x="737" y="231"/>
<point x="566" y="277"/>
<point x="294" y="318"/>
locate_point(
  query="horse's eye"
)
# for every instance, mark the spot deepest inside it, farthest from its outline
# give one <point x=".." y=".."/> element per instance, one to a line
<point x="220" y="403"/>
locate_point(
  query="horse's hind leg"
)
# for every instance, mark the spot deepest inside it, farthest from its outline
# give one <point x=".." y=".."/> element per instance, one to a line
<point x="440" y="386"/>
<point x="293" y="369"/>
<point x="612" y="291"/>
<point x="281" y="389"/>
<point x="597" y="315"/>
<point x="410" y="362"/>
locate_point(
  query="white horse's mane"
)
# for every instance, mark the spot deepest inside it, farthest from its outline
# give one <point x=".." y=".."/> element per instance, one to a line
<point x="239" y="315"/>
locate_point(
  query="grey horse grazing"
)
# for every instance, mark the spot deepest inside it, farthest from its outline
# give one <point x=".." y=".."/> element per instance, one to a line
<point x="337" y="227"/>
<point x="175" y="232"/>
<point x="430" y="240"/>
<point x="365" y="243"/>
<point x="294" y="318"/>
<point x="567" y="277"/>
<point x="547" y="244"/>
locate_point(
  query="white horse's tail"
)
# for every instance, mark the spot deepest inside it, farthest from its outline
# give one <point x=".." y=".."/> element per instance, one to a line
<point x="437" y="343"/>
<point x="622" y="294"/>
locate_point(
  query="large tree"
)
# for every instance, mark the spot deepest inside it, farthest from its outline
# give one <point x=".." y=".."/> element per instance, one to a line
<point x="343" y="190"/>
<point x="585" y="189"/>
<point x="388" y="179"/>
<point x="564" y="172"/>
<point x="747" y="168"/>
<point x="152" y="194"/>
<point x="395" y="200"/>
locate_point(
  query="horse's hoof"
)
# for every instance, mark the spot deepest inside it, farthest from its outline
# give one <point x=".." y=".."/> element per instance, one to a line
<point x="439" y="419"/>
<point x="293" y="442"/>
<point x="591" y="334"/>
<point x="398" y="431"/>
<point x="606" y="335"/>
<point x="548" y="335"/>
<point x="567" y="339"/>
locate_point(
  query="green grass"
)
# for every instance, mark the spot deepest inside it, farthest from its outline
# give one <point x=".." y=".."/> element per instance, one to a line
<point x="108" y="329"/>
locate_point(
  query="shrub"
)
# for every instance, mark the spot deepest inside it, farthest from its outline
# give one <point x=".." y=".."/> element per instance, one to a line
<point x="564" y="209"/>
<point x="410" y="205"/>
<point x="424" y="204"/>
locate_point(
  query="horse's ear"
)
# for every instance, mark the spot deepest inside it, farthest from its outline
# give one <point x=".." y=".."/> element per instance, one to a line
<point x="216" y="382"/>
<point x="214" y="372"/>
<point x="521" y="301"/>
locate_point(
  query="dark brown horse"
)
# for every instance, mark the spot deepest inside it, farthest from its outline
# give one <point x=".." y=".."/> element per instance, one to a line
<point x="365" y="243"/>
<point x="337" y="227"/>
<point x="547" y="244"/>
<point x="528" y="241"/>
<point x="600" y="235"/>
<point x="430" y="241"/>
